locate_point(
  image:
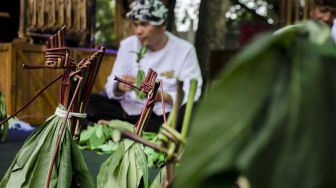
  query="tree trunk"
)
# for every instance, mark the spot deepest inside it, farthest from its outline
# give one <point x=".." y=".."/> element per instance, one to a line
<point x="211" y="32"/>
<point x="171" y="15"/>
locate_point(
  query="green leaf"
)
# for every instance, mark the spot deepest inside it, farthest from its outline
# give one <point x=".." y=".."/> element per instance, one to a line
<point x="141" y="53"/>
<point x="268" y="117"/>
<point x="160" y="177"/>
<point x="142" y="162"/>
<point x="125" y="167"/>
<point x="121" y="125"/>
<point x="107" y="148"/>
<point x="96" y="141"/>
<point x="99" y="131"/>
<point x="104" y="138"/>
<point x="139" y="79"/>
<point x="106" y="172"/>
<point x="86" y="134"/>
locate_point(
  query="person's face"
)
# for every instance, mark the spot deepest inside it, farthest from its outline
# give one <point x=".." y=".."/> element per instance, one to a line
<point x="149" y="35"/>
<point x="323" y="14"/>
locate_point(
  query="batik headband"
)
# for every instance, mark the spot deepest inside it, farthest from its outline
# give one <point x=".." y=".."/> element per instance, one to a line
<point x="151" y="11"/>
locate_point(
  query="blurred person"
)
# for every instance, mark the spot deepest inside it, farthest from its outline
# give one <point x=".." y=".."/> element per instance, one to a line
<point x="325" y="11"/>
<point x="168" y="55"/>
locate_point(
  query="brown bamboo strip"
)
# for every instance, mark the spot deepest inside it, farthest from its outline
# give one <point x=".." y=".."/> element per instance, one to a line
<point x="141" y="140"/>
<point x="60" y="136"/>
<point x="36" y="79"/>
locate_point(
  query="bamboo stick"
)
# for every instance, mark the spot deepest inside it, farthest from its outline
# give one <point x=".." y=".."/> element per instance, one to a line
<point x="289" y="12"/>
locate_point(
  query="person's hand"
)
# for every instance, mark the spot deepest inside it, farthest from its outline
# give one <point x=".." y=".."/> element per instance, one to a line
<point x="166" y="98"/>
<point x="124" y="87"/>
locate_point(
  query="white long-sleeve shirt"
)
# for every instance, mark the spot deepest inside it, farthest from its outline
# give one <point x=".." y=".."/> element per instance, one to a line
<point x="177" y="59"/>
<point x="333" y="30"/>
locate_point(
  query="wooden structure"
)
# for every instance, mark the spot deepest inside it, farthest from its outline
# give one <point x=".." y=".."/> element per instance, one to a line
<point x="293" y="11"/>
<point x="42" y="18"/>
<point x="20" y="85"/>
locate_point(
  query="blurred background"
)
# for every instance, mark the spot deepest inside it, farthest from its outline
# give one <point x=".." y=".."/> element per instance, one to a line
<point x="217" y="28"/>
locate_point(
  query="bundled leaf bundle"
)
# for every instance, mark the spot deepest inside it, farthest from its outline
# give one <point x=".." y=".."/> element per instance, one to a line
<point x="3" y="115"/>
<point x="50" y="157"/>
<point x="127" y="166"/>
<point x="270" y="116"/>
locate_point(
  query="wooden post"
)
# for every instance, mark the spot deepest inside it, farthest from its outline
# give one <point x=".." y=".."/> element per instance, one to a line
<point x="306" y="10"/>
<point x="123" y="26"/>
<point x="22" y="22"/>
<point x="289" y="12"/>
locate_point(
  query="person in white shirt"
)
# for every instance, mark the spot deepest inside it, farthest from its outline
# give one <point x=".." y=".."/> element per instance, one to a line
<point x="168" y="55"/>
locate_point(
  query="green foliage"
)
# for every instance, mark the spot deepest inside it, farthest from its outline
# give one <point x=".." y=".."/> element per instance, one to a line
<point x="125" y="168"/>
<point x="31" y="164"/>
<point x="103" y="138"/>
<point x="104" y="32"/>
<point x="154" y="159"/>
<point x="269" y="117"/>
<point x="139" y="79"/>
<point x="3" y="115"/>
<point x="141" y="54"/>
<point x="141" y="73"/>
<point x="157" y="182"/>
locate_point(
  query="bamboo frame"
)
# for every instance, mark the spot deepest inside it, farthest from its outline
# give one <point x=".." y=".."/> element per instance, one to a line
<point x="292" y="11"/>
<point x="41" y="18"/>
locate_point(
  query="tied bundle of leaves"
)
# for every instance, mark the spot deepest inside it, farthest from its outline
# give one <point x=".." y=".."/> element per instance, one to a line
<point x="3" y="115"/>
<point x="141" y="73"/>
<point x="269" y="117"/>
<point x="30" y="166"/>
<point x="127" y="166"/>
<point x="50" y="157"/>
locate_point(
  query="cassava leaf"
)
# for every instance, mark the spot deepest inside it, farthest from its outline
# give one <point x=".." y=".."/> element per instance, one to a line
<point x="86" y="134"/>
<point x="99" y="131"/>
<point x="124" y="167"/>
<point x="139" y="79"/>
<point x="99" y="137"/>
<point x="159" y="178"/>
<point x="96" y="141"/>
<point x="120" y="125"/>
<point x="31" y="164"/>
<point x="107" y="148"/>
<point x="106" y="172"/>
